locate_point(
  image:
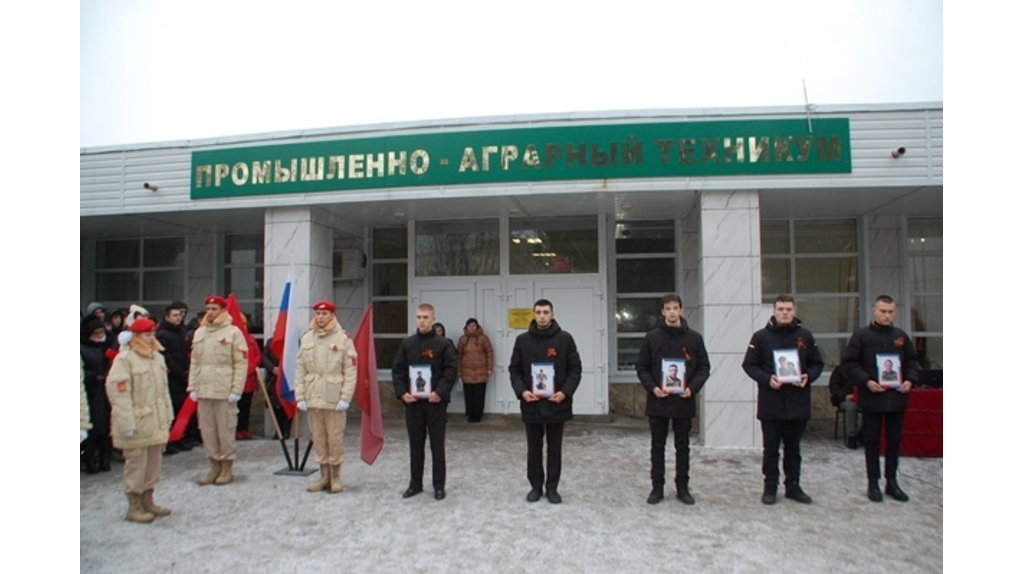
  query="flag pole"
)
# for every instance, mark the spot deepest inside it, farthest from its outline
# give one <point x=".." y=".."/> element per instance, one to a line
<point x="273" y="417"/>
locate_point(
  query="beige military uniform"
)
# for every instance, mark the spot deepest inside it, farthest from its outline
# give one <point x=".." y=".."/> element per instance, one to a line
<point x="325" y="373"/>
<point x="219" y="364"/>
<point x="140" y="406"/>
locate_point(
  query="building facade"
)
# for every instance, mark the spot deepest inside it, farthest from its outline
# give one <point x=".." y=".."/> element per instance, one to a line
<point x="599" y="213"/>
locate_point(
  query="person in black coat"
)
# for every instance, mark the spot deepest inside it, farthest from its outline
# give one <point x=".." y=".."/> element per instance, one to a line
<point x="882" y="403"/>
<point x="783" y="407"/>
<point x="171" y="334"/>
<point x="545" y="348"/>
<point x="672" y="342"/>
<point x="97" y="448"/>
<point x="436" y="357"/>
<point x="840" y="388"/>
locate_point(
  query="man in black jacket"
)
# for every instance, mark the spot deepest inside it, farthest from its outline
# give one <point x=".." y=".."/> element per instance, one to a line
<point x="171" y="335"/>
<point x="670" y="342"/>
<point x="783" y="407"/>
<point x="545" y="348"/>
<point x="877" y="402"/>
<point x="435" y="356"/>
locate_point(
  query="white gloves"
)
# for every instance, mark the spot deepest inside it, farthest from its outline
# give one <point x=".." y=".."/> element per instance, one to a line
<point x="194" y="396"/>
<point x="234" y="398"/>
<point x="123" y="337"/>
<point x="81" y="437"/>
<point x="342" y="405"/>
<point x="302" y="406"/>
<point x="128" y="434"/>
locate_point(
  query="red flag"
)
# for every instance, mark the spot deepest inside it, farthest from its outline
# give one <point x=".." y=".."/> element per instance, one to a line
<point x="253" y="353"/>
<point x="367" y="393"/>
<point x="184" y="415"/>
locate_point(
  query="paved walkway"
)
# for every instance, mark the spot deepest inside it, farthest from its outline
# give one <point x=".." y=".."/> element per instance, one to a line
<point x="265" y="522"/>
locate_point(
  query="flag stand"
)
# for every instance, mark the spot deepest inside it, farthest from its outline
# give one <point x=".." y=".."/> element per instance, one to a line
<point x="294" y="468"/>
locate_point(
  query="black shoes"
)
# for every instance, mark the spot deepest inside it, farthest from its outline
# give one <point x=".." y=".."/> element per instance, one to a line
<point x="874" y="494"/>
<point x="794" y="492"/>
<point x="554" y="497"/>
<point x="768" y="497"/>
<point x="534" y="495"/>
<point x="439" y="494"/>
<point x="894" y="490"/>
<point x="851" y="442"/>
<point x="412" y="491"/>
<point x="684" y="496"/>
<point x="656" y="496"/>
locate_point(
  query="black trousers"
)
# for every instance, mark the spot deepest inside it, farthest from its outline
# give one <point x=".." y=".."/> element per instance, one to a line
<point x="535" y="451"/>
<point x="244" y="410"/>
<point x="788" y="434"/>
<point x="423" y="419"/>
<point x="659" y="434"/>
<point x="872" y="428"/>
<point x="475" y="395"/>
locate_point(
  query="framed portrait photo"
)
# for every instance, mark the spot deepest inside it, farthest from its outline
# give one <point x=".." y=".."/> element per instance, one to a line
<point x="421" y="382"/>
<point x="787" y="366"/>
<point x="673" y="376"/>
<point x="890" y="370"/>
<point x="542" y="379"/>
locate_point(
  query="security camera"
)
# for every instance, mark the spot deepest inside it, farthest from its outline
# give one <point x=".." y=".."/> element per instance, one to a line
<point x="898" y="152"/>
<point x="154" y="188"/>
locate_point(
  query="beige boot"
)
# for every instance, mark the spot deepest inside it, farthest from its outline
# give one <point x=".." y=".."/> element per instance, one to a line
<point x="226" y="475"/>
<point x="149" y="506"/>
<point x="135" y="511"/>
<point x="325" y="479"/>
<point x="212" y="475"/>
<point x="336" y="486"/>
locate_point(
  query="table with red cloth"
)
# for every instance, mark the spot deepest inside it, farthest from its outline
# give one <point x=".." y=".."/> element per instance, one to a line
<point x="922" y="425"/>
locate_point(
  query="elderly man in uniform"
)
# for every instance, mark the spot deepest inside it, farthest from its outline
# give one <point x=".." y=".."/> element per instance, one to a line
<point x="140" y="417"/>
<point x="216" y="379"/>
<point x="325" y="379"/>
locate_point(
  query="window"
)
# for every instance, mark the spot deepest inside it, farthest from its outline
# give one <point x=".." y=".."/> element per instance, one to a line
<point x="389" y="292"/>
<point x="924" y="248"/>
<point x="148" y="272"/>
<point x="243" y="276"/>
<point x="457" y="248"/>
<point x="644" y="271"/>
<point x="562" y="245"/>
<point x="816" y="262"/>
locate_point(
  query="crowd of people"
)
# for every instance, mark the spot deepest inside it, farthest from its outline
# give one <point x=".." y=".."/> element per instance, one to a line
<point x="137" y="375"/>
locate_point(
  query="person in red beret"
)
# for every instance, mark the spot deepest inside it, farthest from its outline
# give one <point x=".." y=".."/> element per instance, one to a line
<point x="325" y="379"/>
<point x="216" y="379"/>
<point x="141" y="417"/>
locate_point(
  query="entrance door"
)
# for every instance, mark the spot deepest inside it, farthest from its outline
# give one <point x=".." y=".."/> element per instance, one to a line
<point x="456" y="299"/>
<point x="579" y="308"/>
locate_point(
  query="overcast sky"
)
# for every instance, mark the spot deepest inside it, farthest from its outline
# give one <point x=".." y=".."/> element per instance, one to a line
<point x="159" y="71"/>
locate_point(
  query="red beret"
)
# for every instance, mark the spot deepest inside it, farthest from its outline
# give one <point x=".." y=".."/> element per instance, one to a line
<point x="143" y="325"/>
<point x="325" y="306"/>
<point x="215" y="300"/>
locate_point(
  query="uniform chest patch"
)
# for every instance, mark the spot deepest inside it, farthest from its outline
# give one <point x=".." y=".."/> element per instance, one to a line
<point x="122" y="386"/>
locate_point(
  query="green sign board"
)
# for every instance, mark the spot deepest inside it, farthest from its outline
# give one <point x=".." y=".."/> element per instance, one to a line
<point x="525" y="154"/>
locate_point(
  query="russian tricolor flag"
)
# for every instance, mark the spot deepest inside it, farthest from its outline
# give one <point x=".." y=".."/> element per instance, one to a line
<point x="285" y="345"/>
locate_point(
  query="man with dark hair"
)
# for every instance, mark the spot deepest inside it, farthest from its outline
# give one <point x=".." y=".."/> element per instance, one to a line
<point x="545" y="343"/>
<point x="171" y="334"/>
<point x="783" y="407"/>
<point x="436" y="355"/>
<point x="879" y="403"/>
<point x="672" y="338"/>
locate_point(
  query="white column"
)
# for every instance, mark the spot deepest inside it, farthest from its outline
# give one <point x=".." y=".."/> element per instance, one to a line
<point x="296" y="239"/>
<point x="730" y="281"/>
